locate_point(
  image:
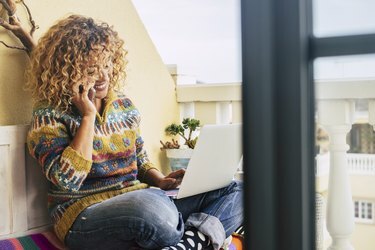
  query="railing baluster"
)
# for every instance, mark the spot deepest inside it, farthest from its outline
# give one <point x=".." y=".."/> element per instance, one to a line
<point x="187" y="109"/>
<point x="223" y="112"/>
<point x="336" y="117"/>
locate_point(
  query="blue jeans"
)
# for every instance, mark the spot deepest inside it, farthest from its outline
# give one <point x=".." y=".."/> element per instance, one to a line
<point x="149" y="219"/>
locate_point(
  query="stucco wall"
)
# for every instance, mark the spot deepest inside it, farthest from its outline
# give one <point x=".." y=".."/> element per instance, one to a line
<point x="149" y="83"/>
<point x="363" y="186"/>
<point x="363" y="236"/>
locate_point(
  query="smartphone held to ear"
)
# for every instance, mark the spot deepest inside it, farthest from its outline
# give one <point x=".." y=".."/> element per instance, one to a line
<point x="91" y="93"/>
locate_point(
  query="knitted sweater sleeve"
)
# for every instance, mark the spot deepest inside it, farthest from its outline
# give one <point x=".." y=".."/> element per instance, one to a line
<point x="143" y="161"/>
<point x="48" y="142"/>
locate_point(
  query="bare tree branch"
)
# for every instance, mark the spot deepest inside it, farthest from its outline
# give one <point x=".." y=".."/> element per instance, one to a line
<point x="15" y="26"/>
<point x="32" y="22"/>
<point x="13" y="47"/>
<point x="10" y="6"/>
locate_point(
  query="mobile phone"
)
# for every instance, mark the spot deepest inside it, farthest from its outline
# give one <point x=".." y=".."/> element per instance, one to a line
<point x="91" y="93"/>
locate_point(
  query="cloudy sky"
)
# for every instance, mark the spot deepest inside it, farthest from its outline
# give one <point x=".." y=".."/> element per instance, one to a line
<point x="203" y="36"/>
<point x="344" y="17"/>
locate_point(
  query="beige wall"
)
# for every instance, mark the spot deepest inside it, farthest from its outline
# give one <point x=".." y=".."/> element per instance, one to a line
<point x="363" y="186"/>
<point x="149" y="83"/>
<point x="321" y="183"/>
<point x="363" y="237"/>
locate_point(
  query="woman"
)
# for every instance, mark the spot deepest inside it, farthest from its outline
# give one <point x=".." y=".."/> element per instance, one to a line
<point x="85" y="135"/>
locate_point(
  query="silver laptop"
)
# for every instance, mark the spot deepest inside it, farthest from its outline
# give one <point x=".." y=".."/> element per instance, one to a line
<point x="214" y="162"/>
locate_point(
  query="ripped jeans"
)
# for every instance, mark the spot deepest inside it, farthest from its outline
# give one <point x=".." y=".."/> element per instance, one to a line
<point x="149" y="219"/>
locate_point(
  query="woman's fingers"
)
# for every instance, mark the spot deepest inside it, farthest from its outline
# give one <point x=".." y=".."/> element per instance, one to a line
<point x="168" y="183"/>
<point x="80" y="94"/>
<point x="91" y="94"/>
<point x="82" y="91"/>
<point x="76" y="88"/>
<point x="83" y="96"/>
<point x="177" y="174"/>
<point x="83" y="87"/>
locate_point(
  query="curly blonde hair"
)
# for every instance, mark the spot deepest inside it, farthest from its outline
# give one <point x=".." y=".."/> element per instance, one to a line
<point x="60" y="60"/>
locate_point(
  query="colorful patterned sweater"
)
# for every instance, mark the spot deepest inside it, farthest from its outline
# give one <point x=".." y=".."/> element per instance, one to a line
<point x="118" y="165"/>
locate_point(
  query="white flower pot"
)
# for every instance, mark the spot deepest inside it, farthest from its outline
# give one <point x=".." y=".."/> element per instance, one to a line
<point x="179" y="158"/>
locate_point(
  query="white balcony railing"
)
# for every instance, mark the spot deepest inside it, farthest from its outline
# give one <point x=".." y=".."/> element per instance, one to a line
<point x="322" y="165"/>
<point x="336" y="114"/>
<point x="358" y="164"/>
<point x="211" y="103"/>
<point x="361" y="164"/>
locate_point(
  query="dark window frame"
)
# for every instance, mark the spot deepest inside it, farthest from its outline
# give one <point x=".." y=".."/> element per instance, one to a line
<point x="278" y="50"/>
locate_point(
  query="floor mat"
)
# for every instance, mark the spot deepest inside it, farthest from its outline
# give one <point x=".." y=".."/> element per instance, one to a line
<point x="41" y="241"/>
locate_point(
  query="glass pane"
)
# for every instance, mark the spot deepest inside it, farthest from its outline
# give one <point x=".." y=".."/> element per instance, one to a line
<point x="363" y="212"/>
<point x="345" y="67"/>
<point x="345" y="104"/>
<point x="343" y="17"/>
<point x="369" y="210"/>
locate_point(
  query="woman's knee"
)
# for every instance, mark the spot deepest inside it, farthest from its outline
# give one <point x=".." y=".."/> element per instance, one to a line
<point x="168" y="233"/>
<point x="162" y="219"/>
<point x="147" y="216"/>
<point x="156" y="206"/>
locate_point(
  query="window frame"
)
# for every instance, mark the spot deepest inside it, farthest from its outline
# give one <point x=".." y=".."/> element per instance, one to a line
<point x="278" y="50"/>
<point x="359" y="219"/>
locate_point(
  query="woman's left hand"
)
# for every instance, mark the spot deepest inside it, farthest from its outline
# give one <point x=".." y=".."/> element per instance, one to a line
<point x="171" y="181"/>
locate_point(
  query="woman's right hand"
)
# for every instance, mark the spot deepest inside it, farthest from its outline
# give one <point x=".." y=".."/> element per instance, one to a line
<point x="83" y="99"/>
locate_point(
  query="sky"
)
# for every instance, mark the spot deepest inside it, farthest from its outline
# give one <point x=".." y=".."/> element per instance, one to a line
<point x="344" y="17"/>
<point x="203" y="37"/>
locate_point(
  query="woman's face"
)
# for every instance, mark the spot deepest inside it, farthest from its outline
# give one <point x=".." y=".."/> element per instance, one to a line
<point x="100" y="70"/>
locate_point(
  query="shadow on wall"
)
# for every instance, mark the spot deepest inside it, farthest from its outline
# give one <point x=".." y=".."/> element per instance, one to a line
<point x="15" y="103"/>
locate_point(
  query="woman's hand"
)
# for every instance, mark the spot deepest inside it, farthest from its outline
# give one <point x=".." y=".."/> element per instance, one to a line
<point x="85" y="133"/>
<point x="171" y="181"/>
<point x="83" y="99"/>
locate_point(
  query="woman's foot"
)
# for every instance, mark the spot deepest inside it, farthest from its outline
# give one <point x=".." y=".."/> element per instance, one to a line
<point x="192" y="239"/>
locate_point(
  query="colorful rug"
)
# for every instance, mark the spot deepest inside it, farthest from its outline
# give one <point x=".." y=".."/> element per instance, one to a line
<point x="48" y="241"/>
<point x="41" y="241"/>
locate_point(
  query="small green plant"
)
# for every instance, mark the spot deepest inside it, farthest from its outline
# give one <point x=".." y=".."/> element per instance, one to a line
<point x="188" y="125"/>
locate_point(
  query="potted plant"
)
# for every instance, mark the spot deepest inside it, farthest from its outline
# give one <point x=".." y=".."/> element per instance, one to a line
<point x="178" y="155"/>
